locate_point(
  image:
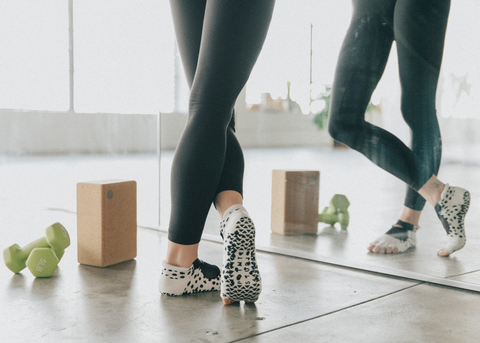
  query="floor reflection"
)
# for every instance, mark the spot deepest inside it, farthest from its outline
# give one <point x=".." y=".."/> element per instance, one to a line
<point x="376" y="199"/>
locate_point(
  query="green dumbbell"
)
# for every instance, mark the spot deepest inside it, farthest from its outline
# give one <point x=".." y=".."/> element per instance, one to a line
<point x="56" y="238"/>
<point x="42" y="262"/>
<point x="337" y="212"/>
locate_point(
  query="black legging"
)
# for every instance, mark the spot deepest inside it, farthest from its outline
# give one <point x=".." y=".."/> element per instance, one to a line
<point x="418" y="27"/>
<point x="219" y="42"/>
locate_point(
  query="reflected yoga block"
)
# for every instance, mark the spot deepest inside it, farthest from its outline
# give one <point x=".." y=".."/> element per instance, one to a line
<point x="295" y="201"/>
<point x="106" y="222"/>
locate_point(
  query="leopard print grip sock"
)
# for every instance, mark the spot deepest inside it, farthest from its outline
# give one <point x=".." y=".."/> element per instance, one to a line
<point x="200" y="277"/>
<point x="451" y="210"/>
<point x="241" y="279"/>
<point x="402" y="236"/>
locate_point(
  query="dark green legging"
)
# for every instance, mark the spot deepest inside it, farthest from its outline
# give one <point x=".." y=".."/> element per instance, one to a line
<point x="219" y="42"/>
<point x="418" y="28"/>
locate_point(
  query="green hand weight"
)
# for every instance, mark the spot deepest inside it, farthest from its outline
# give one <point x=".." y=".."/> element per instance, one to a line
<point x="42" y="262"/>
<point x="56" y="238"/>
<point x="337" y="212"/>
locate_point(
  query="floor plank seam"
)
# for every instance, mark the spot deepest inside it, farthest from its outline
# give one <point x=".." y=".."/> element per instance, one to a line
<point x="462" y="274"/>
<point x="332" y="312"/>
<point x="56" y="209"/>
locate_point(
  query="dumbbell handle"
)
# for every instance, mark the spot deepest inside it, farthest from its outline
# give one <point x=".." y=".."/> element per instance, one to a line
<point x="327" y="217"/>
<point x="59" y="253"/>
<point x="25" y="251"/>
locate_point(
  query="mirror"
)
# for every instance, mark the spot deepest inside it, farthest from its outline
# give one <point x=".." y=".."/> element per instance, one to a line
<point x="274" y="138"/>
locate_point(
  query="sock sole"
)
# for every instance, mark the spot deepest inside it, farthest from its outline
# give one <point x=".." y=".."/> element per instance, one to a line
<point x="240" y="275"/>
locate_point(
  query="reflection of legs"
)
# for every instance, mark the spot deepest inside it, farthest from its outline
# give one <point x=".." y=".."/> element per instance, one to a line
<point x="419" y="70"/>
<point x="208" y="159"/>
<point x="420" y="49"/>
<point x="360" y="66"/>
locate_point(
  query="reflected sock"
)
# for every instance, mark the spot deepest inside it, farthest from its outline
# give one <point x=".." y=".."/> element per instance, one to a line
<point x="241" y="279"/>
<point x="451" y="211"/>
<point x="402" y="236"/>
<point x="200" y="277"/>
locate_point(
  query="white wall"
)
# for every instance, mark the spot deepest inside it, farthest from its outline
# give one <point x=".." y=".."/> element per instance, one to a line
<point x="257" y="130"/>
<point x="41" y="132"/>
<point x="38" y="132"/>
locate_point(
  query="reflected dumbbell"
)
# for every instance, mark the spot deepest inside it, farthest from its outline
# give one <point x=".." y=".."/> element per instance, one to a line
<point x="337" y="212"/>
<point x="56" y="240"/>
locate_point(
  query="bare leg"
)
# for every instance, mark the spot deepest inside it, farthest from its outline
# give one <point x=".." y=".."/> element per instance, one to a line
<point x="226" y="199"/>
<point x="432" y="190"/>
<point x="180" y="255"/>
<point x="410" y="216"/>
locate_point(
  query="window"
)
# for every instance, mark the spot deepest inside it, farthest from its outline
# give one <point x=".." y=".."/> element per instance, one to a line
<point x="123" y="56"/>
<point x="286" y="54"/>
<point x="34" y="55"/>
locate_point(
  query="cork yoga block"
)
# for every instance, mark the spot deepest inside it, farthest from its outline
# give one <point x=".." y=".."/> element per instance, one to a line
<point x="295" y="201"/>
<point x="106" y="222"/>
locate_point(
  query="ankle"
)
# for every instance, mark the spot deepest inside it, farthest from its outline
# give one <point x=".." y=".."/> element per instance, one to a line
<point x="176" y="261"/>
<point x="438" y="194"/>
<point x="227" y="199"/>
<point x="179" y="255"/>
<point x="410" y="216"/>
<point x="432" y="190"/>
<point x="412" y="221"/>
<point x="232" y="209"/>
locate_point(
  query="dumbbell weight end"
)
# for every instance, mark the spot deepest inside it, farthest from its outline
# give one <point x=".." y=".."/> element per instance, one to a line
<point x="42" y="262"/>
<point x="16" y="265"/>
<point x="56" y="237"/>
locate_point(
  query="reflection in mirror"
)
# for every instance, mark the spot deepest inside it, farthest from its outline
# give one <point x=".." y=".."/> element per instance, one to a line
<point x="279" y="138"/>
